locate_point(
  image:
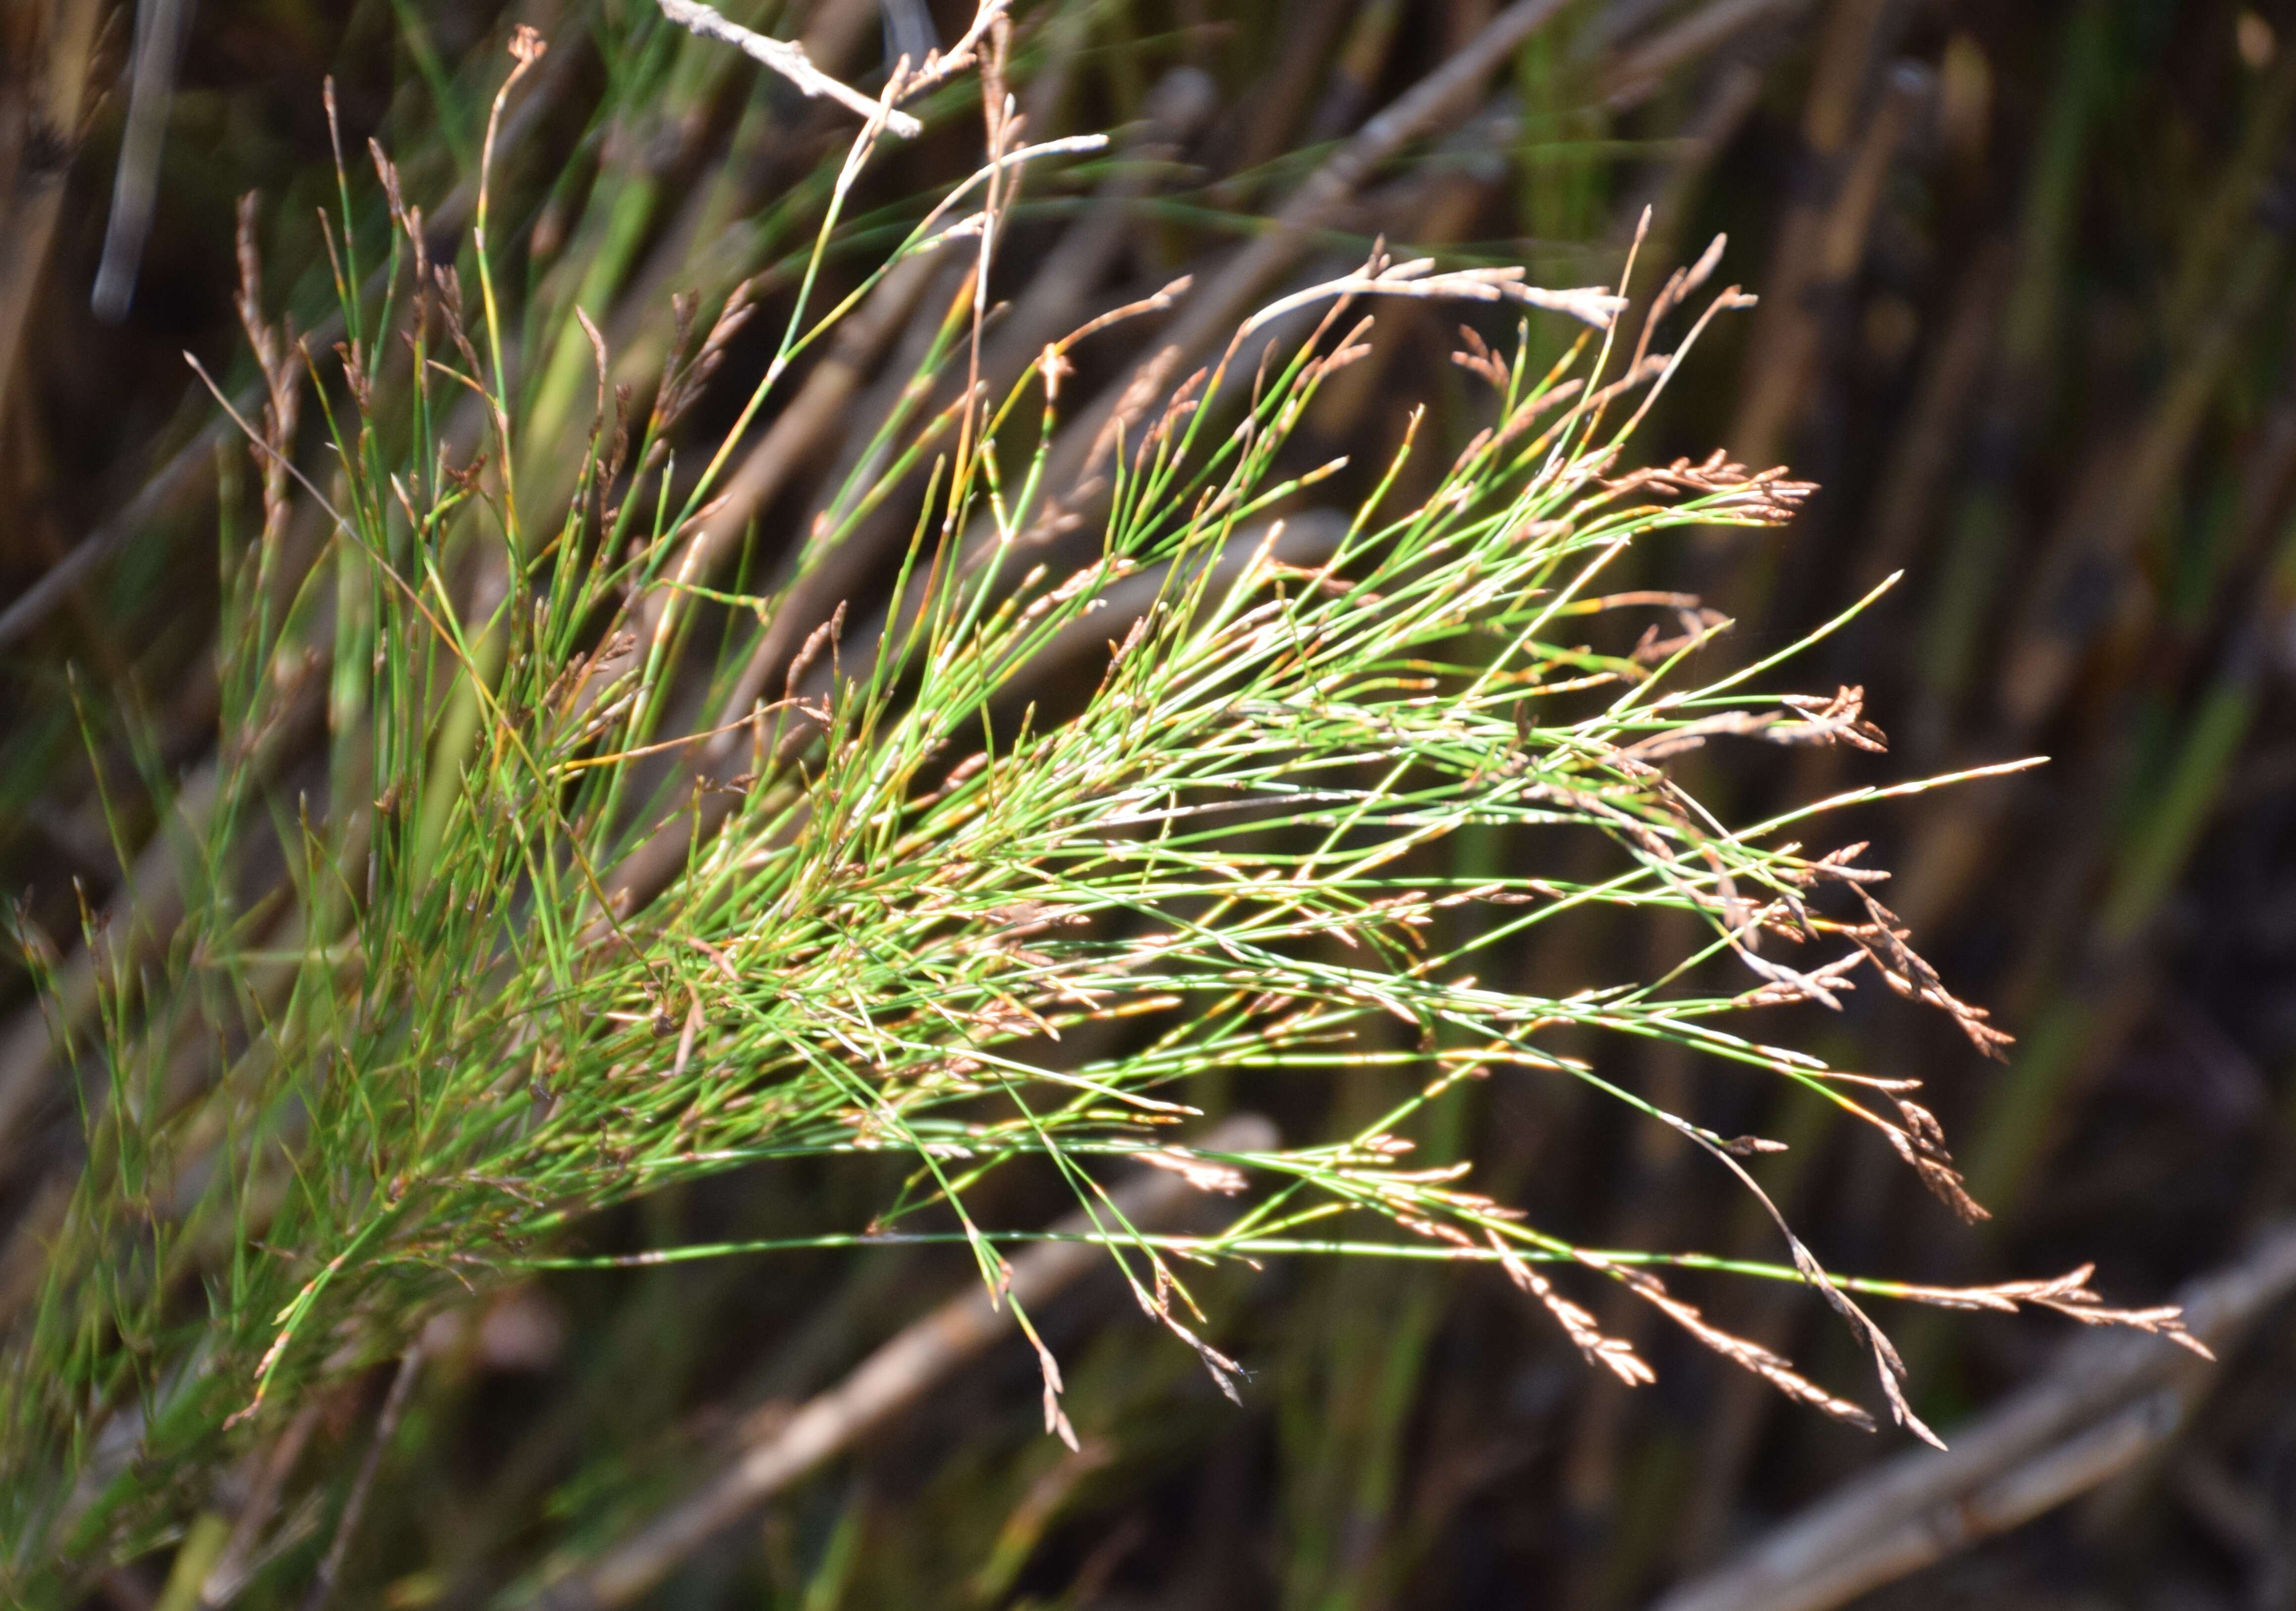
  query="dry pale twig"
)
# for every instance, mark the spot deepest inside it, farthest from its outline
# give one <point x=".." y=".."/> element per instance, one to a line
<point x="785" y="58"/>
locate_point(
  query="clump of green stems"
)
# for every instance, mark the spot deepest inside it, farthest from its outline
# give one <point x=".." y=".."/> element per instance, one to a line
<point x="448" y="1023"/>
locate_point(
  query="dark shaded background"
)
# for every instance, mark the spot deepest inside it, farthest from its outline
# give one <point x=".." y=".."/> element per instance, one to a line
<point x="2027" y="310"/>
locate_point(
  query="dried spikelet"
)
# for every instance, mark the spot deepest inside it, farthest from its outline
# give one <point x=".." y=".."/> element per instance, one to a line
<point x="1766" y="497"/>
<point x="686" y="381"/>
<point x="1679" y="287"/>
<point x="449" y="281"/>
<point x="1922" y="1144"/>
<point x="1693" y="735"/>
<point x="1225" y="1372"/>
<point x="1834" y="866"/>
<point x="2068" y="1295"/>
<point x="279" y="355"/>
<point x="1747" y="1354"/>
<point x="1615" y="1354"/>
<point x="1888" y="1366"/>
<point x="820" y="638"/>
<point x="1837" y="719"/>
<point x="1697" y="624"/>
<point x="670" y="398"/>
<point x="1478" y="359"/>
<point x="1884" y="941"/>
<point x="1117" y="653"/>
<point x="1056" y="1418"/>
<point x="1205" y="1174"/>
<point x="1434" y="1230"/>
<point x="1782" y="985"/>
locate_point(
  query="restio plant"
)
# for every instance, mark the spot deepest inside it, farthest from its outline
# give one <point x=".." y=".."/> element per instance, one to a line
<point x="544" y="864"/>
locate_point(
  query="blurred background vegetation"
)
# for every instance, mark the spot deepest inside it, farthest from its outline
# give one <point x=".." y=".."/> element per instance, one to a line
<point x="2027" y="318"/>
